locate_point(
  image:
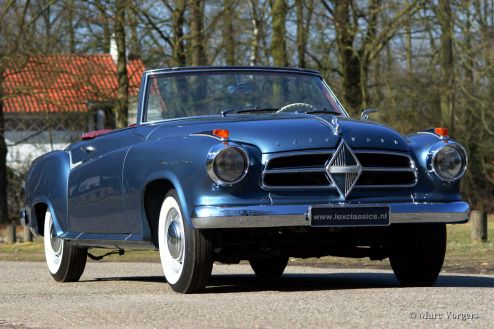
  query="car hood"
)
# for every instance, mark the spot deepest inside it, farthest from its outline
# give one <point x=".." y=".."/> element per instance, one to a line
<point x="290" y="132"/>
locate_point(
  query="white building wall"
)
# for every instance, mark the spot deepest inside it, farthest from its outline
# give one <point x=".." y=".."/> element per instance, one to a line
<point x="22" y="152"/>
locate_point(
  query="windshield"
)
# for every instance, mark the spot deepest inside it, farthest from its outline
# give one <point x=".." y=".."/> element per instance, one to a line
<point x="173" y="96"/>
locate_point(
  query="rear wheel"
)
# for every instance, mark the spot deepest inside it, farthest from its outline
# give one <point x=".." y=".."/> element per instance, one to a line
<point x="417" y="253"/>
<point x="65" y="262"/>
<point x="186" y="253"/>
<point x="269" y="268"/>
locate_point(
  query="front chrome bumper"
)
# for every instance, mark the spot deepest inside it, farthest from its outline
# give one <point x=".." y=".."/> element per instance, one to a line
<point x="207" y="217"/>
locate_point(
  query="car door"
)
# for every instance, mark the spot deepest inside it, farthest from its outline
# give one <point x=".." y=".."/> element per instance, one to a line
<point x="95" y="193"/>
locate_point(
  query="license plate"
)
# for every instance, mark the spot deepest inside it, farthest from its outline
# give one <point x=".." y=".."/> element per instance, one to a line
<point x="336" y="216"/>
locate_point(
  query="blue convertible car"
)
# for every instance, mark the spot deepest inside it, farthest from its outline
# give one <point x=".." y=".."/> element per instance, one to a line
<point x="245" y="163"/>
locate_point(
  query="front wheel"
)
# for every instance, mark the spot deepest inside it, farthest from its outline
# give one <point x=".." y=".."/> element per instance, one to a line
<point x="417" y="253"/>
<point x="65" y="261"/>
<point x="186" y="253"/>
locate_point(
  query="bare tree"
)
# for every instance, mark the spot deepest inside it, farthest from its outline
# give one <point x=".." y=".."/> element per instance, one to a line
<point x="3" y="157"/>
<point x="134" y="44"/>
<point x="15" y="20"/>
<point x="303" y="18"/>
<point x="255" y="38"/>
<point x="229" y="32"/>
<point x="443" y="12"/>
<point x="418" y="60"/>
<point x="178" y="21"/>
<point x="121" y="114"/>
<point x="104" y="22"/>
<point x="278" y="40"/>
<point x="356" y="57"/>
<point x="199" y="57"/>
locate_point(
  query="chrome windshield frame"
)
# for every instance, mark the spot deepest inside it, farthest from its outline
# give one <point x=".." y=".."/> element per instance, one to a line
<point x="177" y="71"/>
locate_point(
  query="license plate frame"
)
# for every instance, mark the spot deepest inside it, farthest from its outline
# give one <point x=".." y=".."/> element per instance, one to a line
<point x="349" y="215"/>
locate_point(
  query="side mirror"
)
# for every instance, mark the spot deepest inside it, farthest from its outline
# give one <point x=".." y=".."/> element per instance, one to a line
<point x="365" y="114"/>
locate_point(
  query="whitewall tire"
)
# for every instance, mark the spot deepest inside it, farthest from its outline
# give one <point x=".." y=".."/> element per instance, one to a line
<point x="65" y="262"/>
<point x="172" y="240"/>
<point x="186" y="254"/>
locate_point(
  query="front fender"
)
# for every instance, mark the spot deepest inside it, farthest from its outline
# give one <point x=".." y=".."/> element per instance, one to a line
<point x="179" y="160"/>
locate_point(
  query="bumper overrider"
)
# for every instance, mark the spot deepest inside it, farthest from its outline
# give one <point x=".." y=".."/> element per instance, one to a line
<point x="215" y="217"/>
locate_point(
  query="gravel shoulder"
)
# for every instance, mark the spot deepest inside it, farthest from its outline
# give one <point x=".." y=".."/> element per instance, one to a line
<point x="135" y="295"/>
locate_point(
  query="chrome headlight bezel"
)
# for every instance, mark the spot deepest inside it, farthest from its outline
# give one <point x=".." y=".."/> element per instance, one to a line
<point x="433" y="153"/>
<point x="213" y="156"/>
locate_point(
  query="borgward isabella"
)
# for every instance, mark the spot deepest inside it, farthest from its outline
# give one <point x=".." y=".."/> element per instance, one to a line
<point x="246" y="163"/>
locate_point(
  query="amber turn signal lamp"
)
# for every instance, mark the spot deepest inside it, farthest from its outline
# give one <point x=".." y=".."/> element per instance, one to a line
<point x="222" y="133"/>
<point x="441" y="131"/>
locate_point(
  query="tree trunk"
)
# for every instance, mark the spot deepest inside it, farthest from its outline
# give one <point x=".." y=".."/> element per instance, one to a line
<point x="254" y="44"/>
<point x="443" y="13"/>
<point x="105" y="25"/>
<point x="278" y="44"/>
<point x="469" y="62"/>
<point x="27" y="235"/>
<point x="479" y="225"/>
<point x="364" y="54"/>
<point x="70" y="25"/>
<point x="229" y="32"/>
<point x="199" y="57"/>
<point x="4" y="214"/>
<point x="301" y="32"/>
<point x="178" y="52"/>
<point x="134" y="44"/>
<point x="46" y="14"/>
<point x="408" y="47"/>
<point x="121" y="114"/>
<point x="348" y="57"/>
<point x="11" y="233"/>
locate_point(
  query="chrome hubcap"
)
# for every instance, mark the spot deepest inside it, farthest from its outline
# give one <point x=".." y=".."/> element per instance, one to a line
<point x="56" y="243"/>
<point x="174" y="240"/>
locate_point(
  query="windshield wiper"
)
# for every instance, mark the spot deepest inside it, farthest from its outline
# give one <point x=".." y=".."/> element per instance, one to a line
<point x="248" y="110"/>
<point x="324" y="110"/>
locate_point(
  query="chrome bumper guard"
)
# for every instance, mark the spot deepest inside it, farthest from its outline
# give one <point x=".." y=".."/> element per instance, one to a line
<point x="208" y="217"/>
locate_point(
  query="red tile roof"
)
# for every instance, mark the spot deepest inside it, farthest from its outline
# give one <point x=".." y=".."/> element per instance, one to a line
<point x="65" y="82"/>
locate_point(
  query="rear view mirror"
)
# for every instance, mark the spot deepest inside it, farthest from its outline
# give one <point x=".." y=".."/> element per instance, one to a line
<point x="240" y="89"/>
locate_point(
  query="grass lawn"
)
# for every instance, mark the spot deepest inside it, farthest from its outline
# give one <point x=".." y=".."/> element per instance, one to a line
<point x="462" y="255"/>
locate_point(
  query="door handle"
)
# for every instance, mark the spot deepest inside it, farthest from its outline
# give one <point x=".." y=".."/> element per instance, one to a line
<point x="88" y="148"/>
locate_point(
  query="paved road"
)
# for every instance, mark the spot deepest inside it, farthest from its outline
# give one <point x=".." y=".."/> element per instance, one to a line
<point x="112" y="295"/>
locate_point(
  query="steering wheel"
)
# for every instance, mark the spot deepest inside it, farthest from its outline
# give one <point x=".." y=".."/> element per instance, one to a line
<point x="292" y="106"/>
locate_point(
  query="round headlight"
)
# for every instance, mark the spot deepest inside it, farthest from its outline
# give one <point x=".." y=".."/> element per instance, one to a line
<point x="449" y="162"/>
<point x="227" y="164"/>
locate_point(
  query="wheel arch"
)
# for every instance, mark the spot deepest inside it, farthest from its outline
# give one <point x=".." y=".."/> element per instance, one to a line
<point x="154" y="194"/>
<point x="39" y="211"/>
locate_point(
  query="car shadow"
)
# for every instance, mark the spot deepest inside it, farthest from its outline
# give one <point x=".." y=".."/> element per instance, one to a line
<point x="235" y="283"/>
<point x="129" y="279"/>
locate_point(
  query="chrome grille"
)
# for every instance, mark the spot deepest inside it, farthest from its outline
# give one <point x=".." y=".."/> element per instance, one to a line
<point x="307" y="170"/>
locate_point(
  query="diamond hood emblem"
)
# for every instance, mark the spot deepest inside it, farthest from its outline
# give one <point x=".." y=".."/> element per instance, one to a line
<point x="344" y="169"/>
